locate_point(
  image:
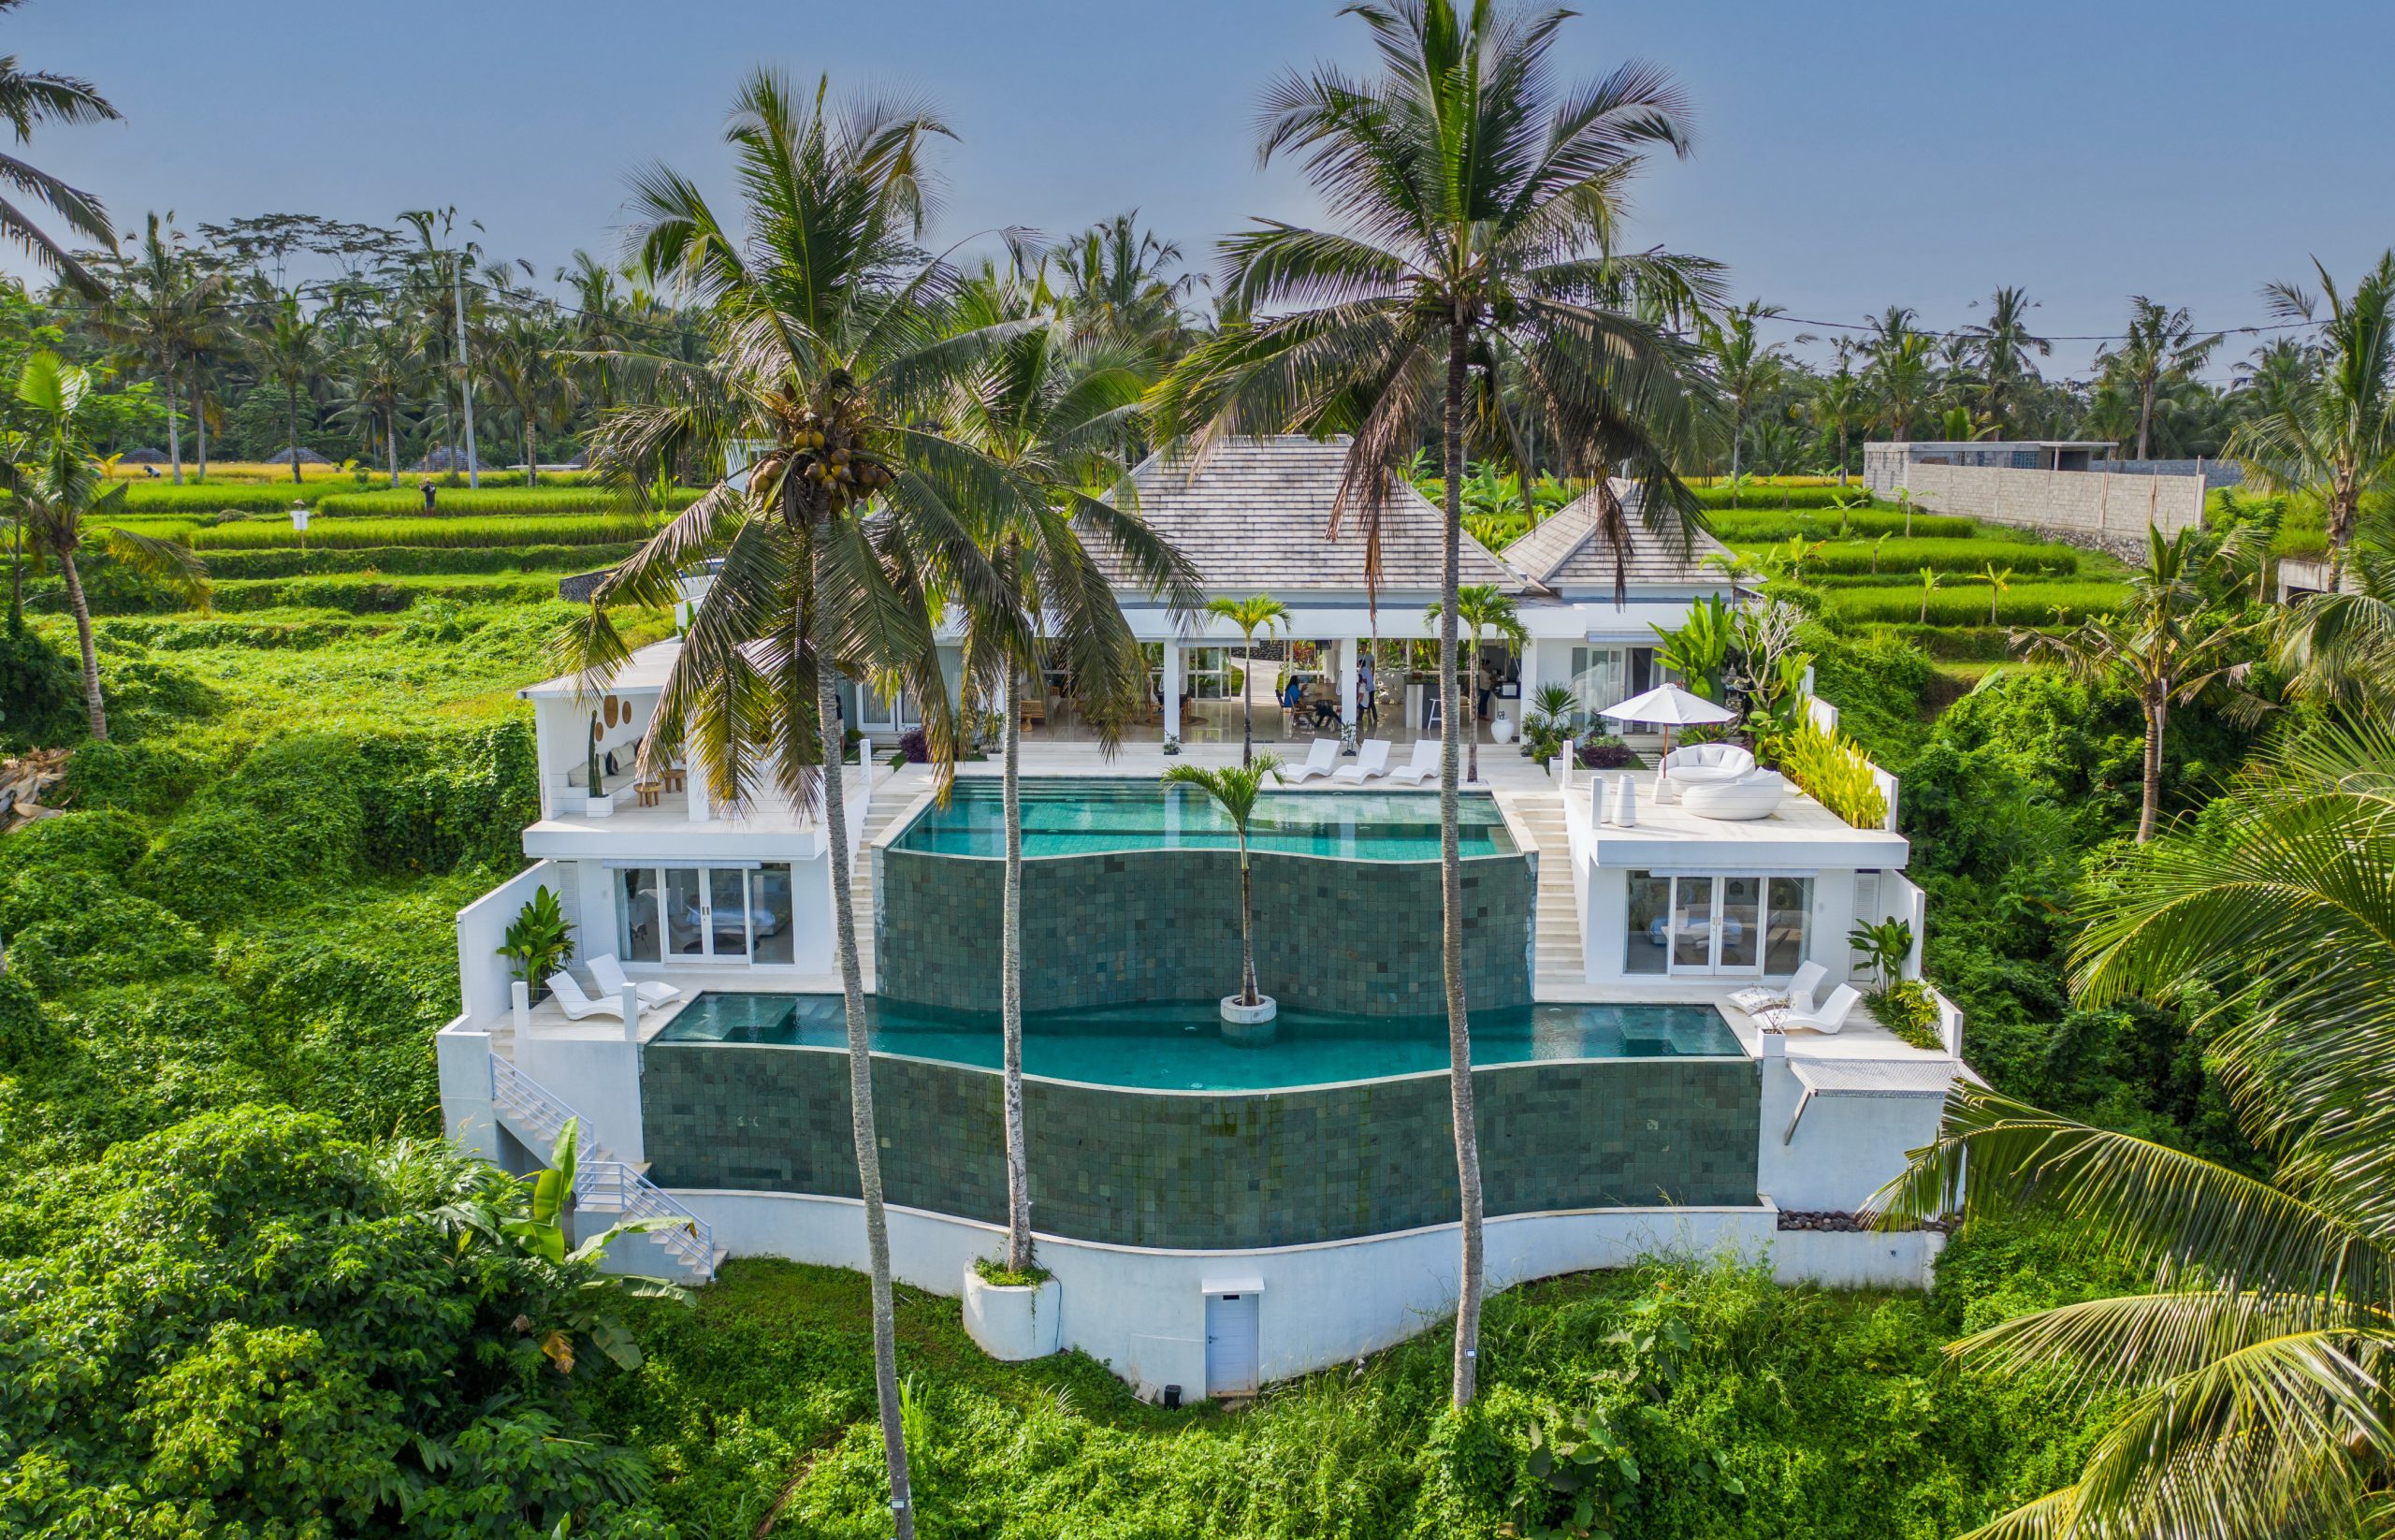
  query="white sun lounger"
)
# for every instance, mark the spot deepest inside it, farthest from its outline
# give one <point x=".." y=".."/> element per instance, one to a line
<point x="1320" y="760"/>
<point x="1829" y="1017"/>
<point x="1423" y="767"/>
<point x="577" y="1004"/>
<point x="1370" y="759"/>
<point x="609" y="974"/>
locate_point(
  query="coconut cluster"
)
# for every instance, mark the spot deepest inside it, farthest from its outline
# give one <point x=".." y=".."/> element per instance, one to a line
<point x="830" y="456"/>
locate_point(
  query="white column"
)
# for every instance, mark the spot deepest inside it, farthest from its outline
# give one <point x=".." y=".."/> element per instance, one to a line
<point x="1172" y="687"/>
<point x="1350" y="651"/>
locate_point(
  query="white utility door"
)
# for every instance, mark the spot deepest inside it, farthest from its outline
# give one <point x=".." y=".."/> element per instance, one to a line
<point x="1231" y="1343"/>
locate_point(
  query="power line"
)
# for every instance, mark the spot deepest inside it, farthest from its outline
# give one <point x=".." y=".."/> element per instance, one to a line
<point x="2076" y="337"/>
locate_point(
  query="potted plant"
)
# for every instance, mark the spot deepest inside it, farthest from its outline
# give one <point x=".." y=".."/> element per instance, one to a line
<point x="1014" y="1314"/>
<point x="538" y="941"/>
<point x="1248" y="1016"/>
<point x="600" y="804"/>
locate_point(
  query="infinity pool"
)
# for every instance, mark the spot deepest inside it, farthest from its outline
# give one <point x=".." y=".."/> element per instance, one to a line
<point x="1180" y="1047"/>
<point x="1093" y="817"/>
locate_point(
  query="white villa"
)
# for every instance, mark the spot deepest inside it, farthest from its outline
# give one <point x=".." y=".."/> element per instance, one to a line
<point x="1684" y="904"/>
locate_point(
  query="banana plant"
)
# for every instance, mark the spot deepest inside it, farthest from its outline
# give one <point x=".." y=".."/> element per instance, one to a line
<point x="1699" y="650"/>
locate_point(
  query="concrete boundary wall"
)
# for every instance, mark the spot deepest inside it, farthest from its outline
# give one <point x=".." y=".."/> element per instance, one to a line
<point x="2102" y="506"/>
<point x="1142" y="1311"/>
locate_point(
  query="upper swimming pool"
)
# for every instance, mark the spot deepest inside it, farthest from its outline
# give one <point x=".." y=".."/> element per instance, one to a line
<point x="1180" y="1047"/>
<point x="1096" y="817"/>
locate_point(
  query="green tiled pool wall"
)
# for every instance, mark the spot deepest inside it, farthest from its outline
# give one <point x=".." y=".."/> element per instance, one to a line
<point x="1354" y="937"/>
<point x="1211" y="1170"/>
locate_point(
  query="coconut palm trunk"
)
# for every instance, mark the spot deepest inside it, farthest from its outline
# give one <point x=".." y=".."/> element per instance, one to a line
<point x="82" y="610"/>
<point x="174" y="425"/>
<point x="391" y="443"/>
<point x="1011" y="988"/>
<point x="1471" y="704"/>
<point x="868" y="1144"/>
<point x="1247" y="701"/>
<point x="2157" y="722"/>
<point x="291" y="401"/>
<point x="1467" y="1133"/>
<point x="1248" y="992"/>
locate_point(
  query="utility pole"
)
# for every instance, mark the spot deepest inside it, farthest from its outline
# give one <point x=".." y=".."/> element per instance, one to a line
<point x="465" y="377"/>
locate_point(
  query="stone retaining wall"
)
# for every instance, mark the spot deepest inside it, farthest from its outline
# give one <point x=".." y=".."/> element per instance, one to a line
<point x="2094" y="507"/>
<point x="1215" y="1169"/>
<point x="1342" y="935"/>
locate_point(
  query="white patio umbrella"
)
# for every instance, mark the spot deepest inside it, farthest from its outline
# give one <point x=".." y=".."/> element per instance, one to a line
<point x="1672" y="707"/>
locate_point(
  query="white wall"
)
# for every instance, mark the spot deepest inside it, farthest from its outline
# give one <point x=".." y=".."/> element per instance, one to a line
<point x="483" y="974"/>
<point x="1142" y="1311"/>
<point x="462" y="1052"/>
<point x="1845" y="1146"/>
<point x="593" y="1067"/>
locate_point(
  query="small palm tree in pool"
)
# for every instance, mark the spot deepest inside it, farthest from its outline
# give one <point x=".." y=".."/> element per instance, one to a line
<point x="1259" y="612"/>
<point x="1235" y="788"/>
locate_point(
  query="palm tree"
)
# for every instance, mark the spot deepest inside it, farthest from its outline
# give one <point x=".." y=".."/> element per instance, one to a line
<point x="164" y="310"/>
<point x="2001" y="345"/>
<point x="1902" y="374"/>
<point x="29" y="97"/>
<point x="2161" y="351"/>
<point x="1998" y="579"/>
<point x="1482" y="607"/>
<point x="2248" y="1390"/>
<point x="2339" y="646"/>
<point x="2163" y="649"/>
<point x="1235" y="788"/>
<point x="378" y="381"/>
<point x="2330" y="429"/>
<point x="289" y="350"/>
<point x="1838" y="407"/>
<point x="59" y="486"/>
<point x="1258" y="611"/>
<point x="1480" y="207"/>
<point x="1746" y="368"/>
<point x="830" y="364"/>
<point x="1115" y="287"/>
<point x="532" y="380"/>
<point x="1051" y="410"/>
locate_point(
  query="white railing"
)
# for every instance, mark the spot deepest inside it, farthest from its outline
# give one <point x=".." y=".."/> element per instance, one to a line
<point x="864" y="803"/>
<point x="610" y="1186"/>
<point x="533" y="1108"/>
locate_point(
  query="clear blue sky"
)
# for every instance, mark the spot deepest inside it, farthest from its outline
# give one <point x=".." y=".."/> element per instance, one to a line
<point x="1850" y="156"/>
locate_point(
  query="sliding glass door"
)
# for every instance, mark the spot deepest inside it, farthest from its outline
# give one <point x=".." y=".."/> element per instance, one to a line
<point x="1703" y="926"/>
<point x="703" y="914"/>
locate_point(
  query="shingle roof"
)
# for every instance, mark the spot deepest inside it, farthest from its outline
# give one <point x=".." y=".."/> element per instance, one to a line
<point x="1565" y="554"/>
<point x="1256" y="516"/>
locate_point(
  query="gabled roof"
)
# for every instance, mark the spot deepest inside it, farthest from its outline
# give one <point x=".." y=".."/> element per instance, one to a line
<point x="1565" y="554"/>
<point x="1255" y="518"/>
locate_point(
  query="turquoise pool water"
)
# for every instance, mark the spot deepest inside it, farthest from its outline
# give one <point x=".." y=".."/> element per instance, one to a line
<point x="1180" y="1047"/>
<point x="1093" y="817"/>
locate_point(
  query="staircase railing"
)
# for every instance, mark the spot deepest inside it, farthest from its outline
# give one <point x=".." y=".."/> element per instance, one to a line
<point x="610" y="1186"/>
<point x="533" y="1108"/>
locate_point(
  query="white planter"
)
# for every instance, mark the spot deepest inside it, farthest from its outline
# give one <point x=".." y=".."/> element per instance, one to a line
<point x="1013" y="1323"/>
<point x="1501" y="730"/>
<point x="1251" y="1024"/>
<point x="599" y="807"/>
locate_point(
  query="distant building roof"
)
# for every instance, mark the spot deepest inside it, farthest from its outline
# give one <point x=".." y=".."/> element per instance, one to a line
<point x="1566" y="553"/>
<point x="1254" y="517"/>
<point x="1992" y="443"/>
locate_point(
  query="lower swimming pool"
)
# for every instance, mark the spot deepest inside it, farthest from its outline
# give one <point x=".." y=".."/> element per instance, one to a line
<point x="1180" y="1046"/>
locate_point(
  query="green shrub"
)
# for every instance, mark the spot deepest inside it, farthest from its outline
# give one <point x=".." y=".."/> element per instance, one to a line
<point x="1964" y="603"/>
<point x="1905" y="1009"/>
<point x="414" y="560"/>
<point x="1836" y="772"/>
<point x="594" y="530"/>
<point x="363" y="593"/>
<point x="149" y="779"/>
<point x="1900" y="560"/>
<point x="26" y="1032"/>
<point x="1746" y="527"/>
<point x="41" y="690"/>
<point x="289" y="815"/>
<point x="1815" y="495"/>
<point x="106" y="843"/>
<point x="1877" y="683"/>
<point x="71" y="930"/>
<point x="462" y="502"/>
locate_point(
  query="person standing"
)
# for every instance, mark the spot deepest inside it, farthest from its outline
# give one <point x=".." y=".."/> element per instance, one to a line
<point x="1368" y="707"/>
<point x="431" y="495"/>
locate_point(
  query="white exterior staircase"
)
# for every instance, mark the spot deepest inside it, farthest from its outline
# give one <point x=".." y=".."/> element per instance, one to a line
<point x="604" y="1187"/>
<point x="1558" y="960"/>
